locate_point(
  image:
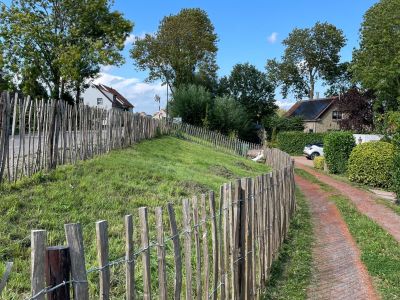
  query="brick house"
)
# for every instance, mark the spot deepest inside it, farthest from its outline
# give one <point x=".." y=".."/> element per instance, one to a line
<point x="320" y="115"/>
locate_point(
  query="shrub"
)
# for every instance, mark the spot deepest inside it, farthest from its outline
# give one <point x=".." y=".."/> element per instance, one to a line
<point x="293" y="142"/>
<point x="319" y="162"/>
<point x="337" y="148"/>
<point x="372" y="164"/>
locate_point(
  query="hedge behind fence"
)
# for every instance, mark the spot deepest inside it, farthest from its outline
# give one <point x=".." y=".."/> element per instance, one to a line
<point x="293" y="142"/>
<point x="372" y="164"/>
<point x="337" y="148"/>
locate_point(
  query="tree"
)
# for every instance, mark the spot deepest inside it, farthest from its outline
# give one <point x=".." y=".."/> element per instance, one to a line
<point x="64" y="42"/>
<point x="184" y="46"/>
<point x="191" y="103"/>
<point x="376" y="63"/>
<point x="339" y="80"/>
<point x="357" y="108"/>
<point x="310" y="54"/>
<point x="251" y="89"/>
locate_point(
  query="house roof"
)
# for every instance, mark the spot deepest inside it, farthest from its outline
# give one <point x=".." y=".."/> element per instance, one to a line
<point x="310" y="109"/>
<point x="118" y="100"/>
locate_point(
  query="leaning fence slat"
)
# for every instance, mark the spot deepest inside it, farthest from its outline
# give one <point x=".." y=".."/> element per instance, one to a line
<point x="214" y="238"/>
<point x="74" y="237"/>
<point x="187" y="246"/>
<point x="130" y="263"/>
<point x="177" y="252"/>
<point x="38" y="256"/>
<point x="102" y="255"/>
<point x="205" y="246"/>
<point x="162" y="277"/>
<point x="144" y="234"/>
<point x="196" y="230"/>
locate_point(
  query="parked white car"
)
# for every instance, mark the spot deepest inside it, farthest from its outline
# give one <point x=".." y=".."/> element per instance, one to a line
<point x="314" y="150"/>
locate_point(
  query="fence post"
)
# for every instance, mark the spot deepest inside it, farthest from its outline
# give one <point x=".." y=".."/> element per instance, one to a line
<point x="102" y="255"/>
<point x="214" y="238"/>
<point x="74" y="237"/>
<point x="187" y="246"/>
<point x="130" y="264"/>
<point x="177" y="252"/>
<point x="162" y="277"/>
<point x="57" y="271"/>
<point x="146" y="252"/>
<point x="38" y="257"/>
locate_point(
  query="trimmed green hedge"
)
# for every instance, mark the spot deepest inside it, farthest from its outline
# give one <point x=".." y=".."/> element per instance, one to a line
<point x="372" y="164"/>
<point x="319" y="162"/>
<point x="337" y="148"/>
<point x="293" y="142"/>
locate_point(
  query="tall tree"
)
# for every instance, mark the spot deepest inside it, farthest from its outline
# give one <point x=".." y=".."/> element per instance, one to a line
<point x="184" y="46"/>
<point x="65" y="42"/>
<point x="376" y="64"/>
<point x="357" y="108"/>
<point x="251" y="88"/>
<point x="311" y="54"/>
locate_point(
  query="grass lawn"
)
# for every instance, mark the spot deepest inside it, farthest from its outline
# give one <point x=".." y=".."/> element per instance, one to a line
<point x="291" y="272"/>
<point x="380" y="252"/>
<point x="108" y="187"/>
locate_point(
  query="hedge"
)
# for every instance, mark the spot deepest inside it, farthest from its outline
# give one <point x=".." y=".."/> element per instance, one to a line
<point x="319" y="162"/>
<point x="372" y="164"/>
<point x="337" y="148"/>
<point x="293" y="142"/>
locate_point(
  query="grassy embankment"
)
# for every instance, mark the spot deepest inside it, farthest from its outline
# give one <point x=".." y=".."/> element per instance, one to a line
<point x="107" y="188"/>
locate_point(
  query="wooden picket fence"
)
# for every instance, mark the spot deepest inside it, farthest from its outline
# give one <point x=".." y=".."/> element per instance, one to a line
<point x="38" y="135"/>
<point x="215" y="139"/>
<point x="218" y="249"/>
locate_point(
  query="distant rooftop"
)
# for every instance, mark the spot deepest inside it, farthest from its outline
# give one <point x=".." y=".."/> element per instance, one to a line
<point x="310" y="109"/>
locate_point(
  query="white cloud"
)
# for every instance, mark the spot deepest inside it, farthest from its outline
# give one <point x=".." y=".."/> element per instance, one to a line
<point x="129" y="40"/>
<point x="272" y="38"/>
<point x="285" y="104"/>
<point x="140" y="94"/>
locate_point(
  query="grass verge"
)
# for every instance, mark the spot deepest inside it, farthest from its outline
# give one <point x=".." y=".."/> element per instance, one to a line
<point x="380" y="252"/>
<point x="108" y="187"/>
<point x="291" y="272"/>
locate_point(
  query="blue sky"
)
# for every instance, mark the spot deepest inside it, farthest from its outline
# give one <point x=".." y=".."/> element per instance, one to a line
<point x="248" y="31"/>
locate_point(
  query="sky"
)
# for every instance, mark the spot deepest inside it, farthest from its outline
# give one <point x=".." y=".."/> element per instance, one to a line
<point x="248" y="31"/>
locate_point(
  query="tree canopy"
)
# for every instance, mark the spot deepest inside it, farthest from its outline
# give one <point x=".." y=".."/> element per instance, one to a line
<point x="251" y="89"/>
<point x="63" y="42"/>
<point x="376" y="64"/>
<point x="182" y="51"/>
<point x="310" y="54"/>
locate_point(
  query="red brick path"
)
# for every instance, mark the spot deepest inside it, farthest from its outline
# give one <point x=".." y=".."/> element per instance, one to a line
<point x="364" y="201"/>
<point x="338" y="272"/>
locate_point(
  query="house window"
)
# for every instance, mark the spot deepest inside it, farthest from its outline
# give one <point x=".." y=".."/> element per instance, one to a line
<point x="99" y="101"/>
<point x="336" y="115"/>
<point x="310" y="130"/>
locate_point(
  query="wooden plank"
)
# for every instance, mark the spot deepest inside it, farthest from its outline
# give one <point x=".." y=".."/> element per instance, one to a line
<point x="162" y="276"/>
<point x="102" y="257"/>
<point x="197" y="247"/>
<point x="177" y="252"/>
<point x="74" y="238"/>
<point x="204" y="230"/>
<point x="38" y="256"/>
<point x="222" y="247"/>
<point x="214" y="239"/>
<point x="130" y="260"/>
<point x="187" y="246"/>
<point x="57" y="272"/>
<point x="144" y="234"/>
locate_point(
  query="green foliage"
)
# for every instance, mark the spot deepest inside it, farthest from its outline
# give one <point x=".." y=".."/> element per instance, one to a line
<point x="294" y="142"/>
<point x="310" y="54"/>
<point x="371" y="164"/>
<point x="251" y="89"/>
<point x="182" y="51"/>
<point x="276" y="123"/>
<point x="64" y="42"/>
<point x="376" y="64"/>
<point x="191" y="102"/>
<point x="319" y="162"/>
<point x="337" y="148"/>
<point x="228" y="117"/>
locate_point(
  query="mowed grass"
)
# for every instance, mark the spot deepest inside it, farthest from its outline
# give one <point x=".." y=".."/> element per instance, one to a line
<point x="380" y="252"/>
<point x="291" y="272"/>
<point x="108" y="187"/>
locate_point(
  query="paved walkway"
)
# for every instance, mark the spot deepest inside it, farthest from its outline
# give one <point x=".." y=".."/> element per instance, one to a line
<point x="364" y="201"/>
<point x="338" y="272"/>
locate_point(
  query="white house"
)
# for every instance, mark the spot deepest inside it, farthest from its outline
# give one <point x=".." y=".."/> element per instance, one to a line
<point x="102" y="96"/>
<point x="162" y="114"/>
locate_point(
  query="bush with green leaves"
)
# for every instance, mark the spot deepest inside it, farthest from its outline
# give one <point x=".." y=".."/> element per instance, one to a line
<point x="337" y="148"/>
<point x="191" y="103"/>
<point x="319" y="162"/>
<point x="293" y="142"/>
<point x="372" y="164"/>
